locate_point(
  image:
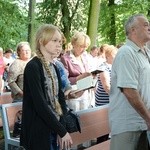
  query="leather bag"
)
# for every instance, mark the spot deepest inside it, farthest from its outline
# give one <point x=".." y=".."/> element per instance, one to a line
<point x="71" y="121"/>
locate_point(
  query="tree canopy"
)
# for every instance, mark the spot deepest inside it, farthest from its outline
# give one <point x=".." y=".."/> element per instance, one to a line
<point x="69" y="15"/>
<point x="13" y="24"/>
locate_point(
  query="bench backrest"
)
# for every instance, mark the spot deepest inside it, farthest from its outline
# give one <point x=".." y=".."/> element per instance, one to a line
<point x="94" y="123"/>
<point x="8" y="112"/>
<point x="5" y="98"/>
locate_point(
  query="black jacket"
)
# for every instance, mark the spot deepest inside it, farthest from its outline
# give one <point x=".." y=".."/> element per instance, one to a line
<point x="37" y="119"/>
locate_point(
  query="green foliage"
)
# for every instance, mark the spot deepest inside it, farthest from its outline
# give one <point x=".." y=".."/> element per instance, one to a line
<point x="13" y="25"/>
<point x="14" y="18"/>
<point x="50" y="11"/>
<point x="122" y="12"/>
<point x="80" y="19"/>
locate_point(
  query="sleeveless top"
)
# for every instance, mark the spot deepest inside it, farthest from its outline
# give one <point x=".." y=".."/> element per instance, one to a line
<point x="101" y="97"/>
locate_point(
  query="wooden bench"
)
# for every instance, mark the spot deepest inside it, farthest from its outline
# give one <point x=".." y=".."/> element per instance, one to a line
<point x="8" y="112"/>
<point x="102" y="146"/>
<point x="94" y="123"/>
<point x="5" y="98"/>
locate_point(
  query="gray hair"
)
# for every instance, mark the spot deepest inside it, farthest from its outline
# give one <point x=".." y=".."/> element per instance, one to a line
<point x="20" y="45"/>
<point x="131" y="22"/>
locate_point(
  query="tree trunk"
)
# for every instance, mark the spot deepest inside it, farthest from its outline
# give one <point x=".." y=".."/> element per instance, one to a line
<point x="31" y="25"/>
<point x="148" y="12"/>
<point x="93" y="20"/>
<point x="65" y="19"/>
<point x="112" y="31"/>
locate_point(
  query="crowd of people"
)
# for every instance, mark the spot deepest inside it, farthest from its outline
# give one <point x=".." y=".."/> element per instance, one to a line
<point x="45" y="83"/>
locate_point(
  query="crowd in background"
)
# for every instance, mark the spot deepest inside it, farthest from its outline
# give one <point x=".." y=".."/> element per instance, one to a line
<point x="74" y="62"/>
<point x="127" y="93"/>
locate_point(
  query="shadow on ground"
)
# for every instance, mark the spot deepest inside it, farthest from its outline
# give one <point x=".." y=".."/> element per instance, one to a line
<point x="2" y="147"/>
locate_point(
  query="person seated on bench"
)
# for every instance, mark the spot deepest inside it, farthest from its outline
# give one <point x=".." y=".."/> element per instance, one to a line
<point x="43" y="99"/>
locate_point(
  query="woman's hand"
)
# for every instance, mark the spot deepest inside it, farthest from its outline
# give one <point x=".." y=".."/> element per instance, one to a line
<point x="83" y="75"/>
<point x="65" y="142"/>
<point x="72" y="94"/>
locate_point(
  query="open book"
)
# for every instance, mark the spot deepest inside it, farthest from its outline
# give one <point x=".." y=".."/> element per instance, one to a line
<point x="86" y="83"/>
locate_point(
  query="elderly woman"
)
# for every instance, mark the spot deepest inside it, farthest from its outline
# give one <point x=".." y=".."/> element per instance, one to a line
<point x="76" y="64"/>
<point x="16" y="71"/>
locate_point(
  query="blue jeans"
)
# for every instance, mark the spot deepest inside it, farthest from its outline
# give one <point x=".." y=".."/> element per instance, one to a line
<point x="53" y="141"/>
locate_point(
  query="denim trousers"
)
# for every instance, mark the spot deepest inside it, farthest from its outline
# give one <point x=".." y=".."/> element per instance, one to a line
<point x="53" y="141"/>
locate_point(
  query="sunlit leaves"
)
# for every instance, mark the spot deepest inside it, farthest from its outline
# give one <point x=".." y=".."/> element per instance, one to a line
<point x="122" y="10"/>
<point x="13" y="25"/>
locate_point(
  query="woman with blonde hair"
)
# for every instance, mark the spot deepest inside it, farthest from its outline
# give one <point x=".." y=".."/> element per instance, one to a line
<point x="75" y="60"/>
<point x="102" y="91"/>
<point x="43" y="100"/>
<point x="101" y="54"/>
<point x="104" y="80"/>
<point x="76" y="64"/>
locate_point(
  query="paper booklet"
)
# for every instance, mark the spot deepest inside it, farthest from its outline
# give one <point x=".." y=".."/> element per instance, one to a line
<point x="85" y="83"/>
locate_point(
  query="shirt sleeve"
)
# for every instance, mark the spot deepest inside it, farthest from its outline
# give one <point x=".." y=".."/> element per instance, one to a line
<point x="127" y="71"/>
<point x="14" y="72"/>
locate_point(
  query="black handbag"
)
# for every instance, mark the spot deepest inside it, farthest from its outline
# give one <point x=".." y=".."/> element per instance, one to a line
<point x="71" y="121"/>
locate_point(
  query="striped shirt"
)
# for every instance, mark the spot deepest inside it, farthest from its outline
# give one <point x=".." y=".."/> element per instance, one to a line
<point x="101" y="97"/>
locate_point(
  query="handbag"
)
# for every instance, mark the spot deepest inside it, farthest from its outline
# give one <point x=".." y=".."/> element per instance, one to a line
<point x="143" y="143"/>
<point x="71" y="121"/>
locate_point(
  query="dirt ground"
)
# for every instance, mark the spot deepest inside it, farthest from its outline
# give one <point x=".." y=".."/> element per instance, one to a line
<point x="1" y="139"/>
<point x="2" y="144"/>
